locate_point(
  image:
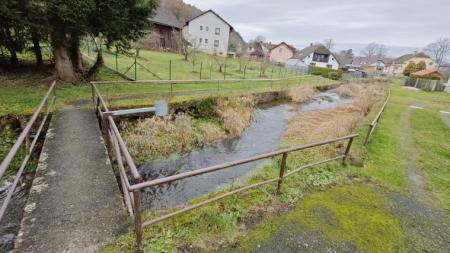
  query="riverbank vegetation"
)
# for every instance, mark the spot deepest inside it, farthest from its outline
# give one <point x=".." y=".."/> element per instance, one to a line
<point x="226" y="220"/>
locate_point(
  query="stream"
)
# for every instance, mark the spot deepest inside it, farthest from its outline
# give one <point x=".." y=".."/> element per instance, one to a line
<point x="264" y="135"/>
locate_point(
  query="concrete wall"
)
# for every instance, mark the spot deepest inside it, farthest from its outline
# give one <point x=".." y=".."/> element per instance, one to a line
<point x="201" y="32"/>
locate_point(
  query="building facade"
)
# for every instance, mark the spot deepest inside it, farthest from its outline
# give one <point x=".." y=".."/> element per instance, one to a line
<point x="317" y="55"/>
<point x="281" y="53"/>
<point x="208" y="32"/>
<point x="398" y="65"/>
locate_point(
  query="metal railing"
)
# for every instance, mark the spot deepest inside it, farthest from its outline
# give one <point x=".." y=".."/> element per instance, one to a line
<point x="377" y="118"/>
<point x="132" y="191"/>
<point x="30" y="144"/>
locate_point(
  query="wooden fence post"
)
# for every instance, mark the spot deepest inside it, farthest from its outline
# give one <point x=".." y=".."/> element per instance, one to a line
<point x="282" y="169"/>
<point x="138" y="219"/>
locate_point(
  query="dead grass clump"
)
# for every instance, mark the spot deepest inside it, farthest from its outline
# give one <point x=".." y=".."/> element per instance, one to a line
<point x="311" y="126"/>
<point x="159" y="137"/>
<point x="300" y="94"/>
<point x="349" y="90"/>
<point x="235" y="113"/>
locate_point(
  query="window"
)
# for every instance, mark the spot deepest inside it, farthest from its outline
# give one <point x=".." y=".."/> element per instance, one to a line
<point x="321" y="57"/>
<point x="329" y="66"/>
<point x="207" y="28"/>
<point x="206" y="41"/>
<point x="201" y="40"/>
<point x="312" y="64"/>
<point x="217" y="31"/>
<point x="280" y="50"/>
<point x="216" y="43"/>
<point x="201" y="28"/>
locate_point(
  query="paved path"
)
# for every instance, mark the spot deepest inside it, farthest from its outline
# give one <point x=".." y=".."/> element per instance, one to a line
<point x="75" y="203"/>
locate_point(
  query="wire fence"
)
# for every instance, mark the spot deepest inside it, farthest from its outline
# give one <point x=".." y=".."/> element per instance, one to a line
<point x="149" y="65"/>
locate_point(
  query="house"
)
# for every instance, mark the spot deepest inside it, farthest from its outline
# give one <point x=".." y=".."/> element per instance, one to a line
<point x="372" y="65"/>
<point x="165" y="32"/>
<point x="258" y="52"/>
<point x="208" y="32"/>
<point x="398" y="65"/>
<point x="428" y="73"/>
<point x="281" y="53"/>
<point x="317" y="55"/>
<point x="296" y="65"/>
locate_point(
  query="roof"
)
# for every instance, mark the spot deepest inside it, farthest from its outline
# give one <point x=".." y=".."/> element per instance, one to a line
<point x="314" y="48"/>
<point x="164" y="16"/>
<point x="292" y="48"/>
<point x="407" y="57"/>
<point x="364" y="60"/>
<point x="213" y="12"/>
<point x="427" y="72"/>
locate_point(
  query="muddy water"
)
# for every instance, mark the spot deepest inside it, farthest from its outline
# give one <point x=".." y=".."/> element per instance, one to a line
<point x="263" y="136"/>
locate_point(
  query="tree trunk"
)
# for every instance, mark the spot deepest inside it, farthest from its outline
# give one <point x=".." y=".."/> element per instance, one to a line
<point x="98" y="64"/>
<point x="63" y="62"/>
<point x="37" y="49"/>
<point x="13" y="60"/>
<point x="75" y="55"/>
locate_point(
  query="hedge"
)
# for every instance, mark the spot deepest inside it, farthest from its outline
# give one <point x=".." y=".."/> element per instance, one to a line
<point x="325" y="72"/>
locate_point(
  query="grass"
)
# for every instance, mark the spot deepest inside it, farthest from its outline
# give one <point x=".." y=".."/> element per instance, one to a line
<point x="156" y="66"/>
<point x="353" y="214"/>
<point x="431" y="136"/>
<point x="20" y="93"/>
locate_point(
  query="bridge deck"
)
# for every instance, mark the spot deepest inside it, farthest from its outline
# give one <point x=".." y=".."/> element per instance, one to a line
<point x="75" y="204"/>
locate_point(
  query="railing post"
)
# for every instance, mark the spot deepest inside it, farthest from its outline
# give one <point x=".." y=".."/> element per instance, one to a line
<point x="218" y="86"/>
<point x="138" y="218"/>
<point x="366" y="141"/>
<point x="347" y="150"/>
<point x="282" y="169"/>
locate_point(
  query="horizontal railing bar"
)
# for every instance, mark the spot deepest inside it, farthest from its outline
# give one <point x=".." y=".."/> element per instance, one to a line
<point x="103" y="103"/>
<point x="214" y="199"/>
<point x="193" y="81"/>
<point x="12" y="152"/>
<point x="290" y="173"/>
<point x="232" y="164"/>
<point x="21" y="168"/>
<point x="123" y="177"/>
<point x="382" y="109"/>
<point x="132" y="111"/>
<point x="191" y="207"/>
<point x="123" y="147"/>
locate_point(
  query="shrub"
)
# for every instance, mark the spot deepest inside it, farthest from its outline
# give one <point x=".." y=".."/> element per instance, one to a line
<point x="333" y="75"/>
<point x="300" y="94"/>
<point x="324" y="72"/>
<point x="235" y="113"/>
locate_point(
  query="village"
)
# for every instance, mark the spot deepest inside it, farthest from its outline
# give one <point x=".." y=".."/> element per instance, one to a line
<point x="192" y="126"/>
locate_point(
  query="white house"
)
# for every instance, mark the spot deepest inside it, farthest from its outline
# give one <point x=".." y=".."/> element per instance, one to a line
<point x="208" y="32"/>
<point x="317" y="55"/>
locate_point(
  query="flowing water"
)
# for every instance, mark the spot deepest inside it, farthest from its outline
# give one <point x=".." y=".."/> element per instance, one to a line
<point x="264" y="135"/>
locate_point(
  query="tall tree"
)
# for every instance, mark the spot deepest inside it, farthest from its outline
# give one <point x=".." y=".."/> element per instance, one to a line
<point x="13" y="32"/>
<point x="374" y="50"/>
<point x="329" y="44"/>
<point x="439" y="50"/>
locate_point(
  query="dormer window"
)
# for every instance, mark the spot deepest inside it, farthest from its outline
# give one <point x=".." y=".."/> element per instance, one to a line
<point x="321" y="57"/>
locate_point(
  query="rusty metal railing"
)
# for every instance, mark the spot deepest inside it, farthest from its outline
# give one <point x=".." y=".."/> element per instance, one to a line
<point x="132" y="192"/>
<point x="30" y="144"/>
<point x="377" y="118"/>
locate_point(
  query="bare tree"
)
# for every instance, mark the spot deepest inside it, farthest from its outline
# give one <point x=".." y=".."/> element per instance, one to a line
<point x="439" y="50"/>
<point x="374" y="50"/>
<point x="188" y="45"/>
<point x="329" y="44"/>
<point x="260" y="39"/>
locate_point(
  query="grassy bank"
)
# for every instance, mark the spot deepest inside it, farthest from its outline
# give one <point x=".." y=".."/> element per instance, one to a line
<point x="154" y="65"/>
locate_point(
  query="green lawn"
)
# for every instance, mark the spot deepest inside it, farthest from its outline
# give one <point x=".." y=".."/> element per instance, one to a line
<point x="153" y="65"/>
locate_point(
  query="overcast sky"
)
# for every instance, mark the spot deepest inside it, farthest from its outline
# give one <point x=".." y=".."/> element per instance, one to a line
<point x="402" y="25"/>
